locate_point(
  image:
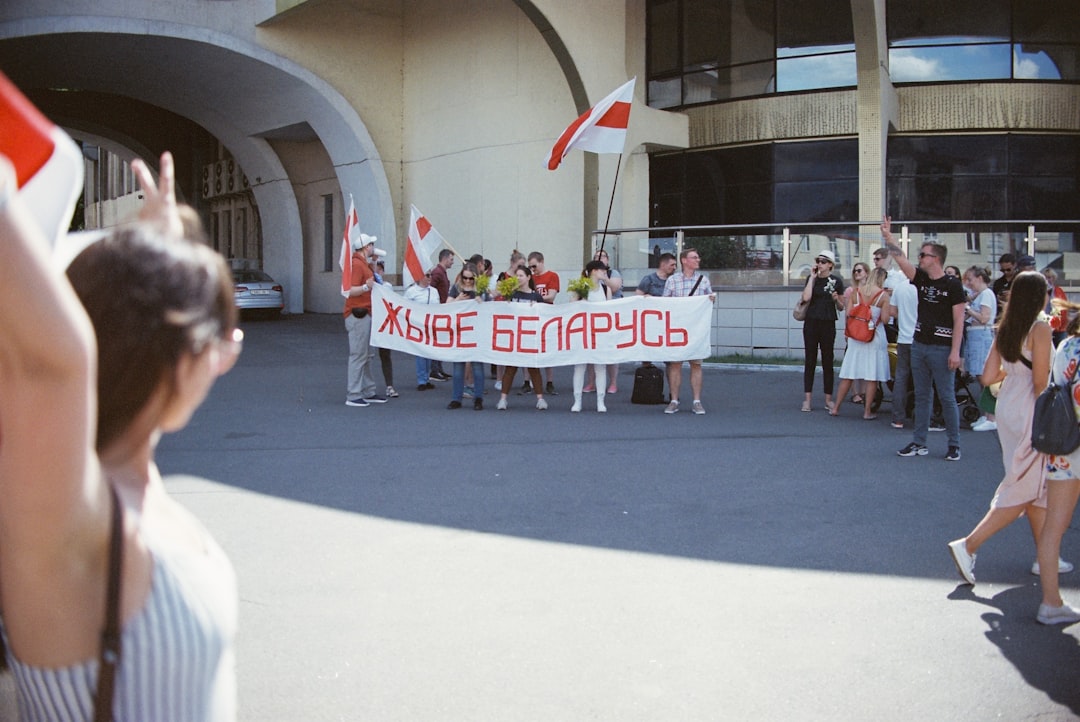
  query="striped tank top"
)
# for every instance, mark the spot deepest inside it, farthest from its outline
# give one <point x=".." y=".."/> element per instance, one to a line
<point x="177" y="660"/>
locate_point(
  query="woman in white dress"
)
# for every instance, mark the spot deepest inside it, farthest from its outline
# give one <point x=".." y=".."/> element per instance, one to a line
<point x="597" y="272"/>
<point x="867" y="360"/>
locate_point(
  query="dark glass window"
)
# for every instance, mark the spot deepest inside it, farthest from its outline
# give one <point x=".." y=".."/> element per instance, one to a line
<point x="738" y="48"/>
<point x="786" y="182"/>
<point x="931" y="41"/>
<point x="983" y="177"/>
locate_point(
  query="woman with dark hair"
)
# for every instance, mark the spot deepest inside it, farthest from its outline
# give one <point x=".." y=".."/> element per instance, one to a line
<point x="1020" y="359"/>
<point x="526" y="293"/>
<point x="138" y="332"/>
<point x="596" y="272"/>
<point x="825" y="293"/>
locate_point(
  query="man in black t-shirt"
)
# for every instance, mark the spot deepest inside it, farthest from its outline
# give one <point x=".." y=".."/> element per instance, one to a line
<point x="935" y="350"/>
<point x="1007" y="264"/>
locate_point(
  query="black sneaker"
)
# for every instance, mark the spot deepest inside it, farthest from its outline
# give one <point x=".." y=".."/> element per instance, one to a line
<point x="359" y="402"/>
<point x="478" y="404"/>
<point x="376" y="399"/>
<point x="454" y="405"/>
<point x="526" y="388"/>
<point x="550" y="389"/>
<point x="937" y="426"/>
<point x="914" y="449"/>
<point x="954" y="454"/>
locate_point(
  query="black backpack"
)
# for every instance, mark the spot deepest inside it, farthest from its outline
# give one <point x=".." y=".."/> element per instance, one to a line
<point x="648" y="385"/>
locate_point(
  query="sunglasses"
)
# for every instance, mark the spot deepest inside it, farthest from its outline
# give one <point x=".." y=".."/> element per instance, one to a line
<point x="467" y="278"/>
<point x="857" y="270"/>
<point x="924" y="255"/>
<point x="532" y="267"/>
<point x="823" y="260"/>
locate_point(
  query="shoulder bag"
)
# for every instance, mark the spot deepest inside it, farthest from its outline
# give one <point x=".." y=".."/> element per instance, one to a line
<point x="799" y="314"/>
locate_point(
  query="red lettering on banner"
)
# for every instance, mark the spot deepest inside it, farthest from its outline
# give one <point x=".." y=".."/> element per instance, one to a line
<point x="522" y="332"/>
<point x="599" y="323"/>
<point x="442" y="330"/>
<point x="498" y="333"/>
<point x="412" y="332"/>
<point x="462" y="329"/>
<point x="575" y="326"/>
<point x="631" y="327"/>
<point x="391" y="319"/>
<point x="558" y="321"/>
<point x="644" y="328"/>
<point x="672" y="333"/>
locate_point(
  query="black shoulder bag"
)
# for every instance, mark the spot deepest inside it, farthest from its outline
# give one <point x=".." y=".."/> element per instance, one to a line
<point x="110" y="636"/>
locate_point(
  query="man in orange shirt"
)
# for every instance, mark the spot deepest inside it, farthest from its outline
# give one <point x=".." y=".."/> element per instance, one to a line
<point x="361" y="383"/>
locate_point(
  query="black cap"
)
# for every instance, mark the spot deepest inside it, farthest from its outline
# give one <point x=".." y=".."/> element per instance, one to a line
<point x="1025" y="262"/>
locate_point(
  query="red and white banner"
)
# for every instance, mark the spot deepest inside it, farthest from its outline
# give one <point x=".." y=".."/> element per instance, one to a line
<point x="351" y="235"/>
<point x="631" y="329"/>
<point x="48" y="163"/>
<point x="424" y="241"/>
<point x="601" y="130"/>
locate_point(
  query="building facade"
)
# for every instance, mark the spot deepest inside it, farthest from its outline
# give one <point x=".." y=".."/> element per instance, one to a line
<point x="818" y="116"/>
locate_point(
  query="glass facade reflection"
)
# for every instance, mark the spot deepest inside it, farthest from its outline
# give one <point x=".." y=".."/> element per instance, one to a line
<point x="702" y="51"/>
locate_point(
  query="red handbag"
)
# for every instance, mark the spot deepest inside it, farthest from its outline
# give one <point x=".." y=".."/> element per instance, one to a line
<point x="859" y="325"/>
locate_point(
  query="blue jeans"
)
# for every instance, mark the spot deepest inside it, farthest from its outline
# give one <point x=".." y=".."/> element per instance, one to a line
<point x="901" y="379"/>
<point x="458" y="384"/>
<point x="929" y="368"/>
<point x="423" y="370"/>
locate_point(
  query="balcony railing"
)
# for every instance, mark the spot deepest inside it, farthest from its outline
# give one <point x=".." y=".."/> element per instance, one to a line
<point x="781" y="254"/>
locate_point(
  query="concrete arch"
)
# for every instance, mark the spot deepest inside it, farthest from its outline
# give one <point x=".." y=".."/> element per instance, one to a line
<point x="239" y="92"/>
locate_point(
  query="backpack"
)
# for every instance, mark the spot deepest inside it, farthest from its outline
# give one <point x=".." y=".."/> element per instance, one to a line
<point x="648" y="385"/>
<point x="860" y="320"/>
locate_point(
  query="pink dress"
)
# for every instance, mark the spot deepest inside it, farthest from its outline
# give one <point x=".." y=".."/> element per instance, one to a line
<point x="1025" y="468"/>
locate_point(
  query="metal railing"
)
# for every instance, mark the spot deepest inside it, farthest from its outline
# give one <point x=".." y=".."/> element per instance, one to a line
<point x="780" y="254"/>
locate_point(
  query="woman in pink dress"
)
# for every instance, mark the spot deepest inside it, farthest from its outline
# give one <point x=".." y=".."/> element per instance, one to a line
<point x="1020" y="358"/>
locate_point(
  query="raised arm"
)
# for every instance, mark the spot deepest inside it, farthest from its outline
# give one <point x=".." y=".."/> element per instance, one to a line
<point x="895" y="250"/>
<point x="49" y="473"/>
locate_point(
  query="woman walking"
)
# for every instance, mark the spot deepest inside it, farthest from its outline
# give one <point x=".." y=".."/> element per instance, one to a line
<point x="1062" y="483"/>
<point x="1020" y="359"/>
<point x="824" y="292"/>
<point x="979" y="317"/>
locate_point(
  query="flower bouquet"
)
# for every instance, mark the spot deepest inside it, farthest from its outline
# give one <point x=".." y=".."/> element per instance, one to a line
<point x="482" y="281"/>
<point x="506" y="287"/>
<point x="580" y="286"/>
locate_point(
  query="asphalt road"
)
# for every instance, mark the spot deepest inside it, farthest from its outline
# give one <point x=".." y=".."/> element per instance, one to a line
<point x="407" y="562"/>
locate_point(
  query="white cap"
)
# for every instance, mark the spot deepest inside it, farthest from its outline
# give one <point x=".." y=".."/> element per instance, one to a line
<point x="363" y="240"/>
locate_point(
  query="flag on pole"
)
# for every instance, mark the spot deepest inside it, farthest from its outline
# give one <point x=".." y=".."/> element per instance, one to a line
<point x="351" y="235"/>
<point x="424" y="241"/>
<point x="601" y="130"/>
<point x="48" y="163"/>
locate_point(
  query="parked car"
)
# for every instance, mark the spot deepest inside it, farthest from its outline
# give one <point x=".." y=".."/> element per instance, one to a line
<point x="257" y="291"/>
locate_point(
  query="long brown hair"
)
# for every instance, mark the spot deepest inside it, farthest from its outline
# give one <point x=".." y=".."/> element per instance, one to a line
<point x="151" y="299"/>
<point x="1027" y="299"/>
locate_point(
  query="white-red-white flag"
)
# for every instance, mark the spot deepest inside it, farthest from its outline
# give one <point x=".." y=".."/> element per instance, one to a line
<point x="601" y="130"/>
<point x="348" y="238"/>
<point x="48" y="163"/>
<point x="424" y="241"/>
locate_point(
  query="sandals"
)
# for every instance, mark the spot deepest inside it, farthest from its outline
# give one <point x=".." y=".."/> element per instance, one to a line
<point x="806" y="407"/>
<point x="858" y="399"/>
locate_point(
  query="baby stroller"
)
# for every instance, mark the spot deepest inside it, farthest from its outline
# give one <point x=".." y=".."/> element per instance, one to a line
<point x="966" y="402"/>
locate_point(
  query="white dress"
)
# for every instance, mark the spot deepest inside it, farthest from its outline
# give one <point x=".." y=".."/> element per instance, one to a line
<point x="868" y="360"/>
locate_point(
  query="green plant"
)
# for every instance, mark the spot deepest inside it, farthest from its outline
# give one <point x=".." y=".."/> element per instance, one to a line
<point x="507" y="286"/>
<point x="580" y="286"/>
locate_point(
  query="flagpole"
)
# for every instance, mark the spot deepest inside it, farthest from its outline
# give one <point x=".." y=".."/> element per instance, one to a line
<point x="611" y="203"/>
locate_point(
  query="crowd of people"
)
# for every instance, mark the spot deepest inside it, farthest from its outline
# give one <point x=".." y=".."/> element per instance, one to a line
<point x="534" y="284"/>
<point x="951" y="325"/>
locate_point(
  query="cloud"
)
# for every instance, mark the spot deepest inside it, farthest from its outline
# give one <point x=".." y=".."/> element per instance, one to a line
<point x="905" y="67"/>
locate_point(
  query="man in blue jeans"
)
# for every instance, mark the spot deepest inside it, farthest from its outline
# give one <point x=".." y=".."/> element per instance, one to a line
<point x="935" y="348"/>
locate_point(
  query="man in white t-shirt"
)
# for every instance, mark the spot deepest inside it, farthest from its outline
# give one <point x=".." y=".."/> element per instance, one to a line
<point x="904" y="306"/>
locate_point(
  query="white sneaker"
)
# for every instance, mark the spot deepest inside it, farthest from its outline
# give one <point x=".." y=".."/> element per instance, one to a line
<point x="965" y="562"/>
<point x="1064" y="567"/>
<point x="1057" y="615"/>
<point x="498" y="385"/>
<point x="501" y="406"/>
<point x="672" y="408"/>
<point x="600" y="408"/>
<point x="576" y="408"/>
<point x="541" y="405"/>
<point x="984" y="424"/>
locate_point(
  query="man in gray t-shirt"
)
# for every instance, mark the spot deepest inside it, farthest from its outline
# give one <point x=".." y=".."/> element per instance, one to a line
<point x="653" y="284"/>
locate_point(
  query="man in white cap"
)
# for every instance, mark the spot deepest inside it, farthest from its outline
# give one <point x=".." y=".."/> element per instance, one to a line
<point x="361" y="390"/>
